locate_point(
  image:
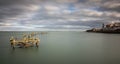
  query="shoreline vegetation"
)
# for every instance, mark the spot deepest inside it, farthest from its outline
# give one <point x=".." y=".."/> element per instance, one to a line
<point x="113" y="27"/>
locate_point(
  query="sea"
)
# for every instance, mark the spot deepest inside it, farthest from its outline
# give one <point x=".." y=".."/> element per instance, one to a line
<point x="62" y="47"/>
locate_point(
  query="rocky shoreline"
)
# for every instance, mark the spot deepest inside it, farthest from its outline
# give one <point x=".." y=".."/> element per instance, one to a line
<point x="109" y="28"/>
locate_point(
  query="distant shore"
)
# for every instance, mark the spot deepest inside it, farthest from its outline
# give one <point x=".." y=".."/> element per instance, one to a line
<point x="109" y="28"/>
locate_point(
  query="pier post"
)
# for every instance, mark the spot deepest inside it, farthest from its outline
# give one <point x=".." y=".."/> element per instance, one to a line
<point x="103" y="25"/>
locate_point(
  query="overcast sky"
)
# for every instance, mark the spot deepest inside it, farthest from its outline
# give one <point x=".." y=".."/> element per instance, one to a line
<point x="70" y="14"/>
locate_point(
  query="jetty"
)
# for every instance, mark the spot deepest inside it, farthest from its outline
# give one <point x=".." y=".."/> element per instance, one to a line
<point x="28" y="40"/>
<point x="113" y="27"/>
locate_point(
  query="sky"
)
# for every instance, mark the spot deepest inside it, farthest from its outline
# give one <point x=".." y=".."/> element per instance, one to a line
<point x="57" y="14"/>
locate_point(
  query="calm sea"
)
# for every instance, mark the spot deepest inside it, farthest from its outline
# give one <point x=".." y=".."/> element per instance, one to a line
<point x="63" y="47"/>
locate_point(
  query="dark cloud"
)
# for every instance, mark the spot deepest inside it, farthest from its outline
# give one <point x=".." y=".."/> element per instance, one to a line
<point x="58" y="12"/>
<point x="7" y="2"/>
<point x="14" y="8"/>
<point x="111" y="5"/>
<point x="83" y="1"/>
<point x="13" y="2"/>
<point x="6" y="12"/>
<point x="117" y="9"/>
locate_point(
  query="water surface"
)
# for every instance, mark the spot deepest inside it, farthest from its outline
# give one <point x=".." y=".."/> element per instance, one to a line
<point x="63" y="47"/>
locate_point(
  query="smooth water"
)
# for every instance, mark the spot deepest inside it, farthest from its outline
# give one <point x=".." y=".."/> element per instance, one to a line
<point x="63" y="47"/>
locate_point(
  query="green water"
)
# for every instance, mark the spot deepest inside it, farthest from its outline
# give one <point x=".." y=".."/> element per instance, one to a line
<point x="63" y="47"/>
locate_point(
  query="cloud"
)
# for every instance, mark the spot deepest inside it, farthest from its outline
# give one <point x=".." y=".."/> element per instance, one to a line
<point x="57" y="12"/>
<point x="111" y="5"/>
<point x="12" y="8"/>
<point x="51" y="8"/>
